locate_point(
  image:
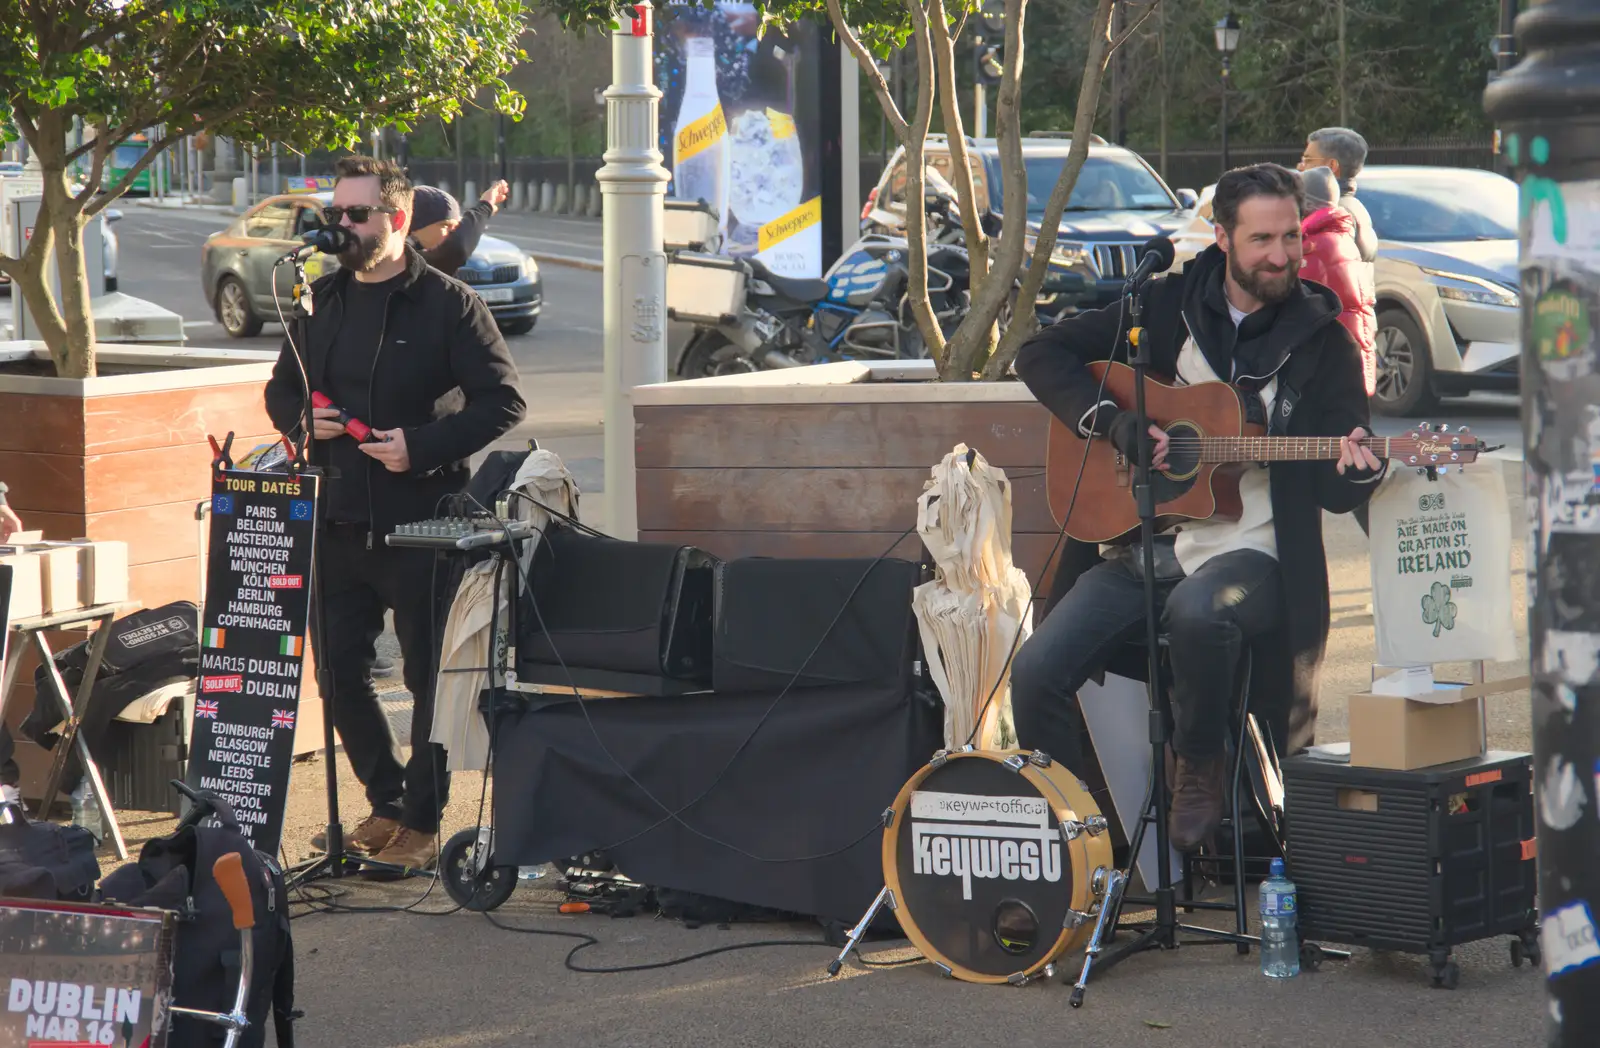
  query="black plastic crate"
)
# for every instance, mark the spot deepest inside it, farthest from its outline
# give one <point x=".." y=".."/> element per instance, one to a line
<point x="1415" y="861"/>
<point x="141" y="760"/>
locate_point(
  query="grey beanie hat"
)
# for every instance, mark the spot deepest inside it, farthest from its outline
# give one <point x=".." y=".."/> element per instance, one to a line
<point x="1321" y="188"/>
<point x="430" y="205"/>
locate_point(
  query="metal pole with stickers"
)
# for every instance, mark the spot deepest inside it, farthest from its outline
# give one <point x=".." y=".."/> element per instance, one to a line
<point x="1548" y="108"/>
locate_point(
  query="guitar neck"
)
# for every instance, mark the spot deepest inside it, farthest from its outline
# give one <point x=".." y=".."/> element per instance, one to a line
<point x="1282" y="449"/>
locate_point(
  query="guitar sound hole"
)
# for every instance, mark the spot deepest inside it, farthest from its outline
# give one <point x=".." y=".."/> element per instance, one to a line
<point x="1183" y="462"/>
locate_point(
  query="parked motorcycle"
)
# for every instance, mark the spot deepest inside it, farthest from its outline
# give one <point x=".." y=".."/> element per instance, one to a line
<point x="858" y="311"/>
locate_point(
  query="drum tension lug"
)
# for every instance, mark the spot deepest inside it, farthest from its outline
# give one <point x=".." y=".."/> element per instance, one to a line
<point x="939" y="758"/>
<point x="948" y="974"/>
<point x="1040" y="759"/>
<point x="889" y="900"/>
<point x="1074" y="919"/>
<point x="1016" y="762"/>
<point x="888" y="817"/>
<point x="1019" y="979"/>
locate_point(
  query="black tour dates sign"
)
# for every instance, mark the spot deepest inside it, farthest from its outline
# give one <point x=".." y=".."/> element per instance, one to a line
<point x="252" y="645"/>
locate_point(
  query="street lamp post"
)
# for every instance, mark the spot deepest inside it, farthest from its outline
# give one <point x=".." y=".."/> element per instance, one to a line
<point x="1548" y="106"/>
<point x="633" y="184"/>
<point x="1227" y="33"/>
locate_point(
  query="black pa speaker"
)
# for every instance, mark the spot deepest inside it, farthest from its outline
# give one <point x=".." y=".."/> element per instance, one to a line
<point x="623" y="607"/>
<point x="773" y="619"/>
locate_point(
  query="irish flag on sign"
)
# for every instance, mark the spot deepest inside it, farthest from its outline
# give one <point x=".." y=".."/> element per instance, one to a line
<point x="291" y="646"/>
<point x="214" y="638"/>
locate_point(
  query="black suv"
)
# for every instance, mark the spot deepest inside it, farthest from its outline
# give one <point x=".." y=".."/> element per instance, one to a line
<point x="1118" y="204"/>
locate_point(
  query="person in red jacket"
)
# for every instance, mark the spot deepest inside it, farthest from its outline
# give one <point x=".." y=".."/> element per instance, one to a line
<point x="1332" y="259"/>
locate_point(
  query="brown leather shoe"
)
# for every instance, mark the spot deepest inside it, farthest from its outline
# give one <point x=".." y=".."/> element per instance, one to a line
<point x="370" y="835"/>
<point x="410" y="849"/>
<point x="1198" y="791"/>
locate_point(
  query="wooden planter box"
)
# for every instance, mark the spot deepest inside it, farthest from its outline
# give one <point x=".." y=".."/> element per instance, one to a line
<point x="124" y="456"/>
<point x="829" y="461"/>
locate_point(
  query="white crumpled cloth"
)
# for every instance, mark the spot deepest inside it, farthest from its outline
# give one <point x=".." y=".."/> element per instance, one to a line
<point x="970" y="614"/>
<point x="466" y="650"/>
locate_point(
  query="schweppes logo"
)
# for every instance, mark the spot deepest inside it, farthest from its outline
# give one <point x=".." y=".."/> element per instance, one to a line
<point x="800" y="219"/>
<point x="702" y="134"/>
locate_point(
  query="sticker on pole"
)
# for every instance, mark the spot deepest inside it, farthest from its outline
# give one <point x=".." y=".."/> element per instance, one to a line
<point x="1568" y="937"/>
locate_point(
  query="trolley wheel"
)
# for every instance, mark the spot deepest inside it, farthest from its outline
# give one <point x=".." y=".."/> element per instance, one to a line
<point x="1446" y="976"/>
<point x="1310" y="956"/>
<point x="486" y="890"/>
<point x="1076" y="1000"/>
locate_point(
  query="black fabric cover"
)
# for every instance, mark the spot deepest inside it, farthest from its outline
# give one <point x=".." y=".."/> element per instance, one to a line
<point x="45" y="860"/>
<point x="629" y="607"/>
<point x="771" y="614"/>
<point x="816" y="776"/>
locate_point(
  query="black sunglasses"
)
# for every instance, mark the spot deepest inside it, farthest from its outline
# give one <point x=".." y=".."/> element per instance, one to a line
<point x="358" y="214"/>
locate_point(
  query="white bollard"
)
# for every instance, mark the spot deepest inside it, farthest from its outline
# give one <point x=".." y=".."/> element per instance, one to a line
<point x="444" y="185"/>
<point x="547" y="197"/>
<point x="596" y="202"/>
<point x="515" y="202"/>
<point x="469" y="194"/>
<point x="241" y="192"/>
<point x="530" y="198"/>
<point x="580" y="199"/>
<point x="561" y="199"/>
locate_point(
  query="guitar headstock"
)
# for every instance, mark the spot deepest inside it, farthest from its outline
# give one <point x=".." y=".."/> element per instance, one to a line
<point x="1429" y="446"/>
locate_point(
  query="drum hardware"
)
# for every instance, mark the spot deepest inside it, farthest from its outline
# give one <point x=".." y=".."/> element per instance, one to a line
<point x="888" y="818"/>
<point x="1113" y="882"/>
<point x="885" y="898"/>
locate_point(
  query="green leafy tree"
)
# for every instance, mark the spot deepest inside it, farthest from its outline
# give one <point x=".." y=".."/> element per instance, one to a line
<point x="311" y="74"/>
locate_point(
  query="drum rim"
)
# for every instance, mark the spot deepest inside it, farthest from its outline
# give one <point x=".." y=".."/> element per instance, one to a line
<point x="1082" y="888"/>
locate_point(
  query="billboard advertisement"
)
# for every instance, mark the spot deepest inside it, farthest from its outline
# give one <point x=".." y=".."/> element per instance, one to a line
<point x="742" y="129"/>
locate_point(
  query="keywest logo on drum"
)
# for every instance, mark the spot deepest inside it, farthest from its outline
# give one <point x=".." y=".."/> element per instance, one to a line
<point x="966" y="835"/>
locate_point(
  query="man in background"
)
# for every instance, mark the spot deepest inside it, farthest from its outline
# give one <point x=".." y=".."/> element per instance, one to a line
<point x="444" y="233"/>
<point x="1344" y="152"/>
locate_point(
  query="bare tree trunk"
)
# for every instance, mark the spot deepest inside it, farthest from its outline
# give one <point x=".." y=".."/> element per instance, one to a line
<point x="75" y="359"/>
<point x="973" y="340"/>
<point x="1026" y="321"/>
<point x="960" y="164"/>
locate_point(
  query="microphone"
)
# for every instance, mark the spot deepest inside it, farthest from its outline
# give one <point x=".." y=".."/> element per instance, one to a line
<point x="334" y="239"/>
<point x="1158" y="254"/>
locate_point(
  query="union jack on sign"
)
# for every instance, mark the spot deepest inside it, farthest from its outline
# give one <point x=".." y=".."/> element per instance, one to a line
<point x="283" y="718"/>
<point x="206" y="708"/>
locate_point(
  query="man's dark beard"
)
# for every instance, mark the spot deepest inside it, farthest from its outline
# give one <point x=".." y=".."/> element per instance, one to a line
<point x="362" y="255"/>
<point x="1266" y="288"/>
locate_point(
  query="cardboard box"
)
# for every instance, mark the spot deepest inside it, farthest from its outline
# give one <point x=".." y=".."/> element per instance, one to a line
<point x="101" y="571"/>
<point x="1401" y="734"/>
<point x="60" y="589"/>
<point x="27" y="586"/>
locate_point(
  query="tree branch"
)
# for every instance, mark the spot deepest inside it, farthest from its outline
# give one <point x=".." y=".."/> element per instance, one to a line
<point x="1134" y="28"/>
<point x="869" y="68"/>
<point x="156" y="149"/>
<point x="110" y="31"/>
<point x="1026" y="320"/>
<point x="955" y="132"/>
<point x="916" y="217"/>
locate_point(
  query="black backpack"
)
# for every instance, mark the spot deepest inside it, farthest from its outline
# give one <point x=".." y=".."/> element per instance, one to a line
<point x="174" y="873"/>
<point x="44" y="860"/>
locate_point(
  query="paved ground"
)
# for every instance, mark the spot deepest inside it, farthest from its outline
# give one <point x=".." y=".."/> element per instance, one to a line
<point x="400" y="980"/>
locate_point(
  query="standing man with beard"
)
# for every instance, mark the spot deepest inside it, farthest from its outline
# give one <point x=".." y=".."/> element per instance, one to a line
<point x="1236" y="313"/>
<point x="416" y="356"/>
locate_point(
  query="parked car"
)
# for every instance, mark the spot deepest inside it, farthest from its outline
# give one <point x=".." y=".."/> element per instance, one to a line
<point x="245" y="288"/>
<point x="1449" y="317"/>
<point x="1119" y="202"/>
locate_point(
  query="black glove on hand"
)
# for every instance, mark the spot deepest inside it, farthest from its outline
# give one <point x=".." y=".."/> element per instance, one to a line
<point x="1124" y="434"/>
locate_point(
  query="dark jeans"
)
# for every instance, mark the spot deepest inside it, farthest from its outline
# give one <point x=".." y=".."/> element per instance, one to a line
<point x="358" y="584"/>
<point x="1208" y="616"/>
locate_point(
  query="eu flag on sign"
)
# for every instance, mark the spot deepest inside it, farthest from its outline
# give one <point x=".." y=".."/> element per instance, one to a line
<point x="299" y="509"/>
<point x="222" y="504"/>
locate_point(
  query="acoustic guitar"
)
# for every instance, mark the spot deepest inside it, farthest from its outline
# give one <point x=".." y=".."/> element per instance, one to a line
<point x="1209" y="446"/>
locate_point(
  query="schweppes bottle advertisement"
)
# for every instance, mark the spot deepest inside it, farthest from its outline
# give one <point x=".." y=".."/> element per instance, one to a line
<point x="792" y="244"/>
<point x="700" y="139"/>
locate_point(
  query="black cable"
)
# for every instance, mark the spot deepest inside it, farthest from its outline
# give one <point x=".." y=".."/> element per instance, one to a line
<point x="676" y="815"/>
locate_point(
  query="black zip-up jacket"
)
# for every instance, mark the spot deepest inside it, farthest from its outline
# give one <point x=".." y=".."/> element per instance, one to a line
<point x="442" y="374"/>
<point x="1311" y="355"/>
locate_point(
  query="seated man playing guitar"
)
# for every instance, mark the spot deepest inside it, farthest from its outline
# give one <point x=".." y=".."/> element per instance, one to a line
<point x="1238" y="312"/>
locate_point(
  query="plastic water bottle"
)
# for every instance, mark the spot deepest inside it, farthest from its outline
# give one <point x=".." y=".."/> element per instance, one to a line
<point x="529" y="874"/>
<point x="86" y="810"/>
<point x="1280" y="939"/>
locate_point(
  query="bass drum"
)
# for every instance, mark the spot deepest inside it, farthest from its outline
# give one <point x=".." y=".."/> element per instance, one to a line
<point x="986" y="883"/>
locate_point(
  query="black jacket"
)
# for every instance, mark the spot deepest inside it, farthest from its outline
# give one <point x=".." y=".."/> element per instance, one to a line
<point x="1321" y="381"/>
<point x="451" y="253"/>
<point x="443" y="374"/>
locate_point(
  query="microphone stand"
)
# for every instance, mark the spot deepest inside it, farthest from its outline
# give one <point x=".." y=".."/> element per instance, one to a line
<point x="335" y="861"/>
<point x="1162" y="933"/>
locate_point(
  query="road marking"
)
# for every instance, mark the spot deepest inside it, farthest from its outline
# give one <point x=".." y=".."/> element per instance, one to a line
<point x="198" y="323"/>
